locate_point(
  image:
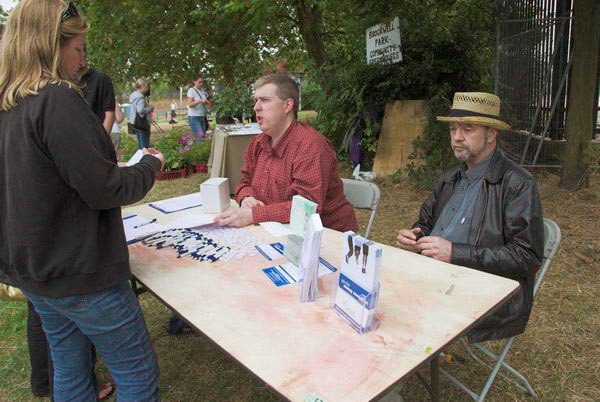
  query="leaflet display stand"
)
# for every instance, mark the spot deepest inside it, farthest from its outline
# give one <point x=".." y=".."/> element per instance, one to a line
<point x="355" y="305"/>
<point x="357" y="292"/>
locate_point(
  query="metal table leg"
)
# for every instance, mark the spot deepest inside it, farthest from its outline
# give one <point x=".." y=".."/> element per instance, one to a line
<point x="435" y="378"/>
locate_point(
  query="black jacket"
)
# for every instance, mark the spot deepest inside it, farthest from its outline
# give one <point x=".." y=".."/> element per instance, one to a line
<point x="61" y="232"/>
<point x="506" y="238"/>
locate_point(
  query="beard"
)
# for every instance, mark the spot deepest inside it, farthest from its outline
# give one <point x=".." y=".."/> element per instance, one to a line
<point x="469" y="152"/>
<point x="464" y="154"/>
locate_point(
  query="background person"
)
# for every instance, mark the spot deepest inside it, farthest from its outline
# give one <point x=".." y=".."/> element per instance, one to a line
<point x="173" y="112"/>
<point x="139" y="105"/>
<point x="196" y="101"/>
<point x="99" y="93"/>
<point x="68" y="253"/>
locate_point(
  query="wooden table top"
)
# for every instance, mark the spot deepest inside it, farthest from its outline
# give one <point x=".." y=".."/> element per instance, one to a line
<point x="305" y="348"/>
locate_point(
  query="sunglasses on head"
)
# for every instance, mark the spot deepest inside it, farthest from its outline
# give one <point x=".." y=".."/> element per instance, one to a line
<point x="69" y="12"/>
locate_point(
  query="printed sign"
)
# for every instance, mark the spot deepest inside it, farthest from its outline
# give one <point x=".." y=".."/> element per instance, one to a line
<point x="383" y="43"/>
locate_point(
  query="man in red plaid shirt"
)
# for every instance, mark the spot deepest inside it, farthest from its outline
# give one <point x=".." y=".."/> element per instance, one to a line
<point x="288" y="158"/>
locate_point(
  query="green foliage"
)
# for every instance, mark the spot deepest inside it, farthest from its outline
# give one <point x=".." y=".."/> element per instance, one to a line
<point x="14" y="356"/>
<point x="181" y="149"/>
<point x="231" y="100"/>
<point x="447" y="46"/>
<point x="172" y="147"/>
<point x="432" y="150"/>
<point x="199" y="152"/>
<point x="171" y="41"/>
<point x="128" y="145"/>
<point x="310" y="94"/>
<point x="592" y="154"/>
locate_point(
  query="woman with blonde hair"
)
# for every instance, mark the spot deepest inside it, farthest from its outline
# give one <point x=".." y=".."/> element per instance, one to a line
<point x="139" y="113"/>
<point x="61" y="190"/>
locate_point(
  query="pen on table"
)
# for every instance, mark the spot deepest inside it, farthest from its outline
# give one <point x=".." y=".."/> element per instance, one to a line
<point x="145" y="223"/>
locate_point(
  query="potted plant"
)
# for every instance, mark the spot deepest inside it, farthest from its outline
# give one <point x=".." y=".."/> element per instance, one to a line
<point x="197" y="156"/>
<point x="173" y="146"/>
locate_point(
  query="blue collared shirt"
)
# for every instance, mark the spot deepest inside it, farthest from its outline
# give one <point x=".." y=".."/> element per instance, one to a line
<point x="454" y="222"/>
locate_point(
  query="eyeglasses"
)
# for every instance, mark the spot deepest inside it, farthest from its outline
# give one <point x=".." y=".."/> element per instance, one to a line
<point x="69" y="12"/>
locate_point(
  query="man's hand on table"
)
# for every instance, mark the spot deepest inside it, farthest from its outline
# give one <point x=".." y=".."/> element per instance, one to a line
<point x="407" y="239"/>
<point x="236" y="217"/>
<point x="251" y="202"/>
<point x="435" y="247"/>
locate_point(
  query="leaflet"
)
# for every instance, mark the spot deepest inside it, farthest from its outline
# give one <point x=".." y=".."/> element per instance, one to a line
<point x="300" y="213"/>
<point x="276" y="229"/>
<point x="135" y="158"/>
<point x="137" y="227"/>
<point x="191" y="221"/>
<point x="358" y="285"/>
<point x="267" y="251"/>
<point x="288" y="273"/>
<point x="309" y="261"/>
<point x="175" y="204"/>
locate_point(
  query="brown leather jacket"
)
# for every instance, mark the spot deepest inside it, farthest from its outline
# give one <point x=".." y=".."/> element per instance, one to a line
<point x="506" y="239"/>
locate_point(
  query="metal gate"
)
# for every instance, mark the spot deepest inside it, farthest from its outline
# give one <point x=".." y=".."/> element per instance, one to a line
<point x="533" y="61"/>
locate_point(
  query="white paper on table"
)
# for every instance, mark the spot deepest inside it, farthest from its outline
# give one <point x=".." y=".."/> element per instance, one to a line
<point x="269" y="252"/>
<point x="244" y="129"/>
<point x="294" y="274"/>
<point x="191" y="221"/>
<point x="135" y="158"/>
<point x="309" y="259"/>
<point x="277" y="229"/>
<point x="178" y="203"/>
<point x="137" y="226"/>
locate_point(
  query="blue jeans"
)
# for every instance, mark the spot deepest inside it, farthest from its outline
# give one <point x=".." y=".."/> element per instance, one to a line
<point x="143" y="138"/>
<point x="113" y="321"/>
<point x="198" y="125"/>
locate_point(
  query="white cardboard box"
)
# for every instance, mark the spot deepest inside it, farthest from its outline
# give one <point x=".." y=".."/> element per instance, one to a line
<point x="215" y="195"/>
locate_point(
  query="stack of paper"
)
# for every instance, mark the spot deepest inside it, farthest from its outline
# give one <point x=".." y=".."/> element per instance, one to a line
<point x="309" y="260"/>
<point x="175" y="204"/>
<point x="191" y="221"/>
<point x="358" y="286"/>
<point x="137" y="228"/>
<point x="302" y="210"/>
<point x="242" y="129"/>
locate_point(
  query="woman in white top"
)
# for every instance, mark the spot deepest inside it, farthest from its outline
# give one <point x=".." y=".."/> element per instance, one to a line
<point x="196" y="101"/>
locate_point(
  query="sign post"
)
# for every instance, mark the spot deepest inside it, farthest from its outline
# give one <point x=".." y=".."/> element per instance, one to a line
<point x="383" y="43"/>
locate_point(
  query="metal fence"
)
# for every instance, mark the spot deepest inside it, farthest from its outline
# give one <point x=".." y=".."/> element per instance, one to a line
<point x="533" y="61"/>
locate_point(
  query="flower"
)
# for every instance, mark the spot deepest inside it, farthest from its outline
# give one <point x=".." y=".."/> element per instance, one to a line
<point x="186" y="142"/>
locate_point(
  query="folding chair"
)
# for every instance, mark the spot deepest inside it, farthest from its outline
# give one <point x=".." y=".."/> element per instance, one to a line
<point x="363" y="195"/>
<point x="551" y="241"/>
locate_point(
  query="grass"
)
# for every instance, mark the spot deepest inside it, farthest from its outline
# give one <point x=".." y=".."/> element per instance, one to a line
<point x="559" y="352"/>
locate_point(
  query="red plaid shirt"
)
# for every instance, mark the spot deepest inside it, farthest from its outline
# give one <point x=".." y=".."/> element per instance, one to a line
<point x="302" y="162"/>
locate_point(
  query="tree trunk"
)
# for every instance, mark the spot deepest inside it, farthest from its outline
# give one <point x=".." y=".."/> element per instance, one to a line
<point x="581" y="102"/>
<point x="310" y="22"/>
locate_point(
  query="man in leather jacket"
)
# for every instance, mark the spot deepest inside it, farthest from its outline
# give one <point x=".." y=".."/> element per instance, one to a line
<point x="484" y="213"/>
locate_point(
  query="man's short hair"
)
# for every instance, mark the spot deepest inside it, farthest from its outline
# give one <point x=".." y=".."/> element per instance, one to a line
<point x="286" y="88"/>
<point x="197" y="77"/>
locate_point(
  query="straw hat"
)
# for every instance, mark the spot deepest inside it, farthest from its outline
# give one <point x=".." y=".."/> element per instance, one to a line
<point x="476" y="108"/>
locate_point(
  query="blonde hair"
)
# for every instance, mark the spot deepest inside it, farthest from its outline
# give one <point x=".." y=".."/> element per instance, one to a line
<point x="139" y="83"/>
<point x="30" y="49"/>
